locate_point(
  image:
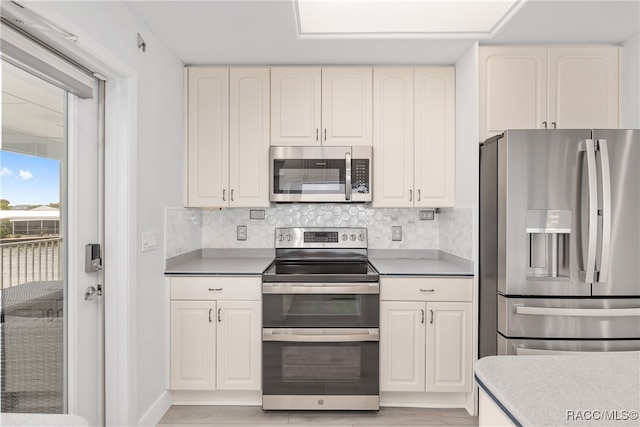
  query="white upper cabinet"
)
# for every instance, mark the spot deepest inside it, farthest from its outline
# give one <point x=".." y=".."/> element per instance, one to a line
<point x="414" y="137"/>
<point x="295" y="106"/>
<point x="249" y="137"/>
<point x="347" y="106"/>
<point x="393" y="137"/>
<point x="434" y="137"/>
<point x="207" y="139"/>
<point x="538" y="88"/>
<point x="227" y="137"/>
<point x="321" y="106"/>
<point x="583" y="87"/>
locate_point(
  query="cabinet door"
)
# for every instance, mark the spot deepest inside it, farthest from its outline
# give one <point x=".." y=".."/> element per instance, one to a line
<point x="402" y="346"/>
<point x="239" y="354"/>
<point x="295" y="106"/>
<point x="513" y="89"/>
<point x="347" y="106"/>
<point x="207" y="147"/>
<point x="434" y="139"/>
<point x="249" y="137"/>
<point x="583" y="87"/>
<point x="449" y="347"/>
<point x="393" y="137"/>
<point x="193" y="345"/>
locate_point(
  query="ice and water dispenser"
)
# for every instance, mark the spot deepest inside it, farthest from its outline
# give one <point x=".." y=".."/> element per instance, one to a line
<point x="548" y="233"/>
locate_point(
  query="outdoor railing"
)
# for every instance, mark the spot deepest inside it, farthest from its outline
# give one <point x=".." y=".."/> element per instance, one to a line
<point x="30" y="261"/>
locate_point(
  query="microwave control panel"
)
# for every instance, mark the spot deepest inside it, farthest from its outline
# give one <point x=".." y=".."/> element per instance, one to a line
<point x="360" y="175"/>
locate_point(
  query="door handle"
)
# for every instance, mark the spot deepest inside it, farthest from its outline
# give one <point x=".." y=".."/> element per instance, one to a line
<point x="587" y="276"/>
<point x="347" y="176"/>
<point x="92" y="292"/>
<point x="603" y="148"/>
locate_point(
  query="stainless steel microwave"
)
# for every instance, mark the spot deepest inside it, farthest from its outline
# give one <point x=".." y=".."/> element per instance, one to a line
<point x="320" y="174"/>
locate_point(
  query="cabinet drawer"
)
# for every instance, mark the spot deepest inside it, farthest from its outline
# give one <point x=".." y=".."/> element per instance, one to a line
<point x="216" y="288"/>
<point x="426" y="289"/>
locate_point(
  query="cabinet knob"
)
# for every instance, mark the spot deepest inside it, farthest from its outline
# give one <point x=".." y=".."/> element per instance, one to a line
<point x="220" y="315"/>
<point x="411" y="195"/>
<point x="418" y="194"/>
<point x="544" y="124"/>
<point x="224" y="194"/>
<point x="554" y="124"/>
<point x="431" y="316"/>
<point x="325" y="134"/>
<point x="232" y="194"/>
<point x="422" y="321"/>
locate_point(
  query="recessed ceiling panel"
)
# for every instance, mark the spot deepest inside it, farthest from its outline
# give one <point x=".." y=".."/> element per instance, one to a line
<point x="401" y="16"/>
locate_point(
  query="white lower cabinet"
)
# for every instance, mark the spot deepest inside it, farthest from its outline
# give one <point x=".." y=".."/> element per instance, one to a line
<point x="193" y="345"/>
<point x="215" y="333"/>
<point x="425" y="335"/>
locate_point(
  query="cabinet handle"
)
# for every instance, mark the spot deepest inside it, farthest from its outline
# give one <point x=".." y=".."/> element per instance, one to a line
<point x="325" y="134"/>
<point x="431" y="316"/>
<point x="554" y="124"/>
<point x="544" y="124"/>
<point x="220" y="315"/>
<point x="224" y="194"/>
<point x="316" y="134"/>
<point x="411" y="195"/>
<point x="232" y="194"/>
<point x="418" y="194"/>
<point x="210" y="315"/>
<point x="215" y="289"/>
<point x="427" y="290"/>
<point x="422" y="321"/>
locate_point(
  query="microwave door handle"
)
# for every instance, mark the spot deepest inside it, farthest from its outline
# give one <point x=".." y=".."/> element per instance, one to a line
<point x="606" y="210"/>
<point x="347" y="172"/>
<point x="587" y="276"/>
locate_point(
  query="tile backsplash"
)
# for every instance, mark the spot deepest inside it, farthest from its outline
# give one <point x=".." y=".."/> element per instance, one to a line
<point x="189" y="229"/>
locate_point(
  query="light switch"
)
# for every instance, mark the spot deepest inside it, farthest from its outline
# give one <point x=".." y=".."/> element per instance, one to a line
<point x="149" y="241"/>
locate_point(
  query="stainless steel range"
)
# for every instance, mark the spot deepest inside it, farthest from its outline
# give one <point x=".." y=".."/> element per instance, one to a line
<point x="321" y="305"/>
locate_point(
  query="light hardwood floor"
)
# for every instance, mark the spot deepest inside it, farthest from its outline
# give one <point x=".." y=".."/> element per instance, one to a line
<point x="254" y="415"/>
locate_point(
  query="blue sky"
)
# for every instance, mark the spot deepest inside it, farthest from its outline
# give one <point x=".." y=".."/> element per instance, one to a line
<point x="29" y="180"/>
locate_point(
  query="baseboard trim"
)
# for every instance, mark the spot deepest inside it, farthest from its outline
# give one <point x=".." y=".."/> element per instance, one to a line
<point x="157" y="410"/>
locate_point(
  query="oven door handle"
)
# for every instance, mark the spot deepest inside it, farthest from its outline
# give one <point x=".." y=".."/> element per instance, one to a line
<point x="321" y="288"/>
<point x="320" y="335"/>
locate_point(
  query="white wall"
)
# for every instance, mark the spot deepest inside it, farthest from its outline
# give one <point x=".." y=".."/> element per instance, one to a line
<point x="631" y="84"/>
<point x="155" y="177"/>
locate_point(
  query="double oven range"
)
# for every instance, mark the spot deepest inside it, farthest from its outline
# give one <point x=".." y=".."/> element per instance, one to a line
<point x="320" y="336"/>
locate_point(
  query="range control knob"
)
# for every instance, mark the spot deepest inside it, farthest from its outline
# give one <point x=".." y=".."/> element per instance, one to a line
<point x="345" y="237"/>
<point x="353" y="237"/>
<point x="289" y="237"/>
<point x="280" y="237"/>
<point x="361" y="237"/>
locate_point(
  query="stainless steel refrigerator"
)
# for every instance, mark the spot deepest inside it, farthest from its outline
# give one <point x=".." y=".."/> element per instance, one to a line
<point x="560" y="242"/>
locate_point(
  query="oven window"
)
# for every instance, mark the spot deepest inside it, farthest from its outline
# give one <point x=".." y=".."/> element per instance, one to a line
<point x="306" y="368"/>
<point x="321" y="363"/>
<point x="309" y="176"/>
<point x="320" y="305"/>
<point x="321" y="310"/>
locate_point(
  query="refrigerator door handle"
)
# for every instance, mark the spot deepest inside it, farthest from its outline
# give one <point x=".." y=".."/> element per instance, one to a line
<point x="587" y="276"/>
<point x="577" y="312"/>
<point x="606" y="210"/>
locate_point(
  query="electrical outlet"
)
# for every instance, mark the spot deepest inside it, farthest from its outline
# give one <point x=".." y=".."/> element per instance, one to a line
<point x="242" y="232"/>
<point x="396" y="233"/>
<point x="256" y="214"/>
<point x="429" y="215"/>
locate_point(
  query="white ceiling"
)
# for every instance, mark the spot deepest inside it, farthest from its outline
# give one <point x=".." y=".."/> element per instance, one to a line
<point x="240" y="32"/>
